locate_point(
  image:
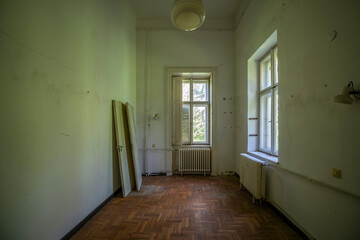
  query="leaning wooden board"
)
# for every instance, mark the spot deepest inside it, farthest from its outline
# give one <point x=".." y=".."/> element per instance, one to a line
<point x="121" y="148"/>
<point x="134" y="148"/>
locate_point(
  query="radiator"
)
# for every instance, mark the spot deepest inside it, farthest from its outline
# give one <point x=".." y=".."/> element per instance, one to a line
<point x="252" y="176"/>
<point x="194" y="160"/>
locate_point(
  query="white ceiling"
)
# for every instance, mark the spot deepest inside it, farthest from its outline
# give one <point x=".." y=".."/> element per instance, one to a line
<point x="162" y="8"/>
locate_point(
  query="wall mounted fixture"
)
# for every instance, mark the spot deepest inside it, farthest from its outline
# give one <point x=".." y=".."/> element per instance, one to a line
<point x="188" y="15"/>
<point x="345" y="95"/>
<point x="156" y="116"/>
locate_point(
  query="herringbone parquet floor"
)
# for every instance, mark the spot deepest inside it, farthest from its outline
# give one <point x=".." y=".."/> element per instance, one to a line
<point x="187" y="207"/>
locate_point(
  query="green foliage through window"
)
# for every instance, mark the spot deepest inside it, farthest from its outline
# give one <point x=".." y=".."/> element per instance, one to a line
<point x="195" y="111"/>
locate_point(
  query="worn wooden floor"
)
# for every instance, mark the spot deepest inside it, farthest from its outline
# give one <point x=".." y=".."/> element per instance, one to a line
<point x="187" y="207"/>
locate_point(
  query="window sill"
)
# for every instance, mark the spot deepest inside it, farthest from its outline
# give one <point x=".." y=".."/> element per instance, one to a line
<point x="264" y="156"/>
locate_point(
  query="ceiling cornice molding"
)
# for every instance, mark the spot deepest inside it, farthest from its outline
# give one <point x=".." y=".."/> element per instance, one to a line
<point x="240" y="12"/>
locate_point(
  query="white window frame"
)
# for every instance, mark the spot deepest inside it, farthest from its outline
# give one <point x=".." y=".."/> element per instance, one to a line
<point x="253" y="99"/>
<point x="274" y="86"/>
<point x="176" y="77"/>
<point x="194" y="103"/>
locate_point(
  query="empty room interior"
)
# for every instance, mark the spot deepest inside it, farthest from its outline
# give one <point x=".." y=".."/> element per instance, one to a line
<point x="180" y="119"/>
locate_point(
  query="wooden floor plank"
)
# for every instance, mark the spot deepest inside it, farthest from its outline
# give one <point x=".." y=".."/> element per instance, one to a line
<point x="187" y="207"/>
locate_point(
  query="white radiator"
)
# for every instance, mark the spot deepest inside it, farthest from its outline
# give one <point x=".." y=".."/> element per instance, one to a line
<point x="252" y="175"/>
<point x="194" y="160"/>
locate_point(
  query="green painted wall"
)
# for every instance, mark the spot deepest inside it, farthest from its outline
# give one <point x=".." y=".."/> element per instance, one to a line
<point x="315" y="133"/>
<point x="61" y="64"/>
<point x="159" y="49"/>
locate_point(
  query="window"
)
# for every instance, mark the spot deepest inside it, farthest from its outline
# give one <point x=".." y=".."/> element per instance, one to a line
<point x="263" y="97"/>
<point x="268" y="103"/>
<point x="191" y="123"/>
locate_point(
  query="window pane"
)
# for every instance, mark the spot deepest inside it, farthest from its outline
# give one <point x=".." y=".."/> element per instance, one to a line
<point x="185" y="123"/>
<point x="265" y="72"/>
<point x="200" y="91"/>
<point x="275" y="65"/>
<point x="276" y="109"/>
<point x="265" y="121"/>
<point x="186" y="91"/>
<point x="200" y="123"/>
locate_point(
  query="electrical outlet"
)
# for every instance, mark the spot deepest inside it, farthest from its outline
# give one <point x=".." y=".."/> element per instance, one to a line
<point x="336" y="173"/>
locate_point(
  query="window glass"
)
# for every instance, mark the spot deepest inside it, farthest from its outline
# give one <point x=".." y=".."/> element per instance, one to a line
<point x="265" y="72"/>
<point x="185" y="123"/>
<point x="276" y="65"/>
<point x="276" y="118"/>
<point x="268" y="124"/>
<point x="194" y="126"/>
<point x="200" y="91"/>
<point x="186" y="91"/>
<point x="200" y="121"/>
<point x="265" y="121"/>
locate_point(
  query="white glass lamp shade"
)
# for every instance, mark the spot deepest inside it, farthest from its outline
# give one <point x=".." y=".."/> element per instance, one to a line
<point x="344" y="97"/>
<point x="188" y="15"/>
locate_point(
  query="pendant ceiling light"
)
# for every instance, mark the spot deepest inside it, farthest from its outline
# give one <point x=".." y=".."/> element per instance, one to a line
<point x="188" y="15"/>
